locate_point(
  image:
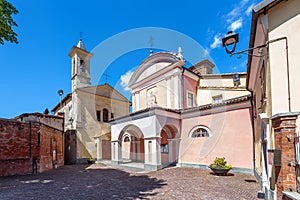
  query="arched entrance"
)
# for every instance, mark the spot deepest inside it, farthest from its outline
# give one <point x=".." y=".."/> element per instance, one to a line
<point x="169" y="144"/>
<point x="131" y="144"/>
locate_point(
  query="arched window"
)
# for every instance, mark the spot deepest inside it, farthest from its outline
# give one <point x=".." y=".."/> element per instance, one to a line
<point x="105" y="115"/>
<point x="127" y="139"/>
<point x="200" y="131"/>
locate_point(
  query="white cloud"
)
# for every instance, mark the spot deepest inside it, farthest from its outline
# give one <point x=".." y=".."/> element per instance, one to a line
<point x="244" y="64"/>
<point x="125" y="78"/>
<point x="217" y="42"/>
<point x="237" y="11"/>
<point x="233" y="14"/>
<point x="249" y="9"/>
<point x="205" y="52"/>
<point x="235" y="25"/>
<point x="243" y="2"/>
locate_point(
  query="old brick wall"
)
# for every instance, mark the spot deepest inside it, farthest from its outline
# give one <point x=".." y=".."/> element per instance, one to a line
<point x="18" y="145"/>
<point x="285" y="133"/>
<point x="52" y="148"/>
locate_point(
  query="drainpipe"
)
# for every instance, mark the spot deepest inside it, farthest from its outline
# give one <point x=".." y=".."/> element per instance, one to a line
<point x="30" y="150"/>
<point x="182" y="87"/>
<point x="253" y="131"/>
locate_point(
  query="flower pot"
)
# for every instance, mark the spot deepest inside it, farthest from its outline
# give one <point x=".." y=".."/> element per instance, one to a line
<point x="90" y="161"/>
<point x="220" y="171"/>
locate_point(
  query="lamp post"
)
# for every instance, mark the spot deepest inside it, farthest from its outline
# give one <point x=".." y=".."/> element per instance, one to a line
<point x="231" y="39"/>
<point x="71" y="122"/>
<point x="60" y="93"/>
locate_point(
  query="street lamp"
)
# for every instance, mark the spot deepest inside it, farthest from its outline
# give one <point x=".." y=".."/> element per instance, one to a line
<point x="60" y="93"/>
<point x="232" y="38"/>
<point x="71" y="122"/>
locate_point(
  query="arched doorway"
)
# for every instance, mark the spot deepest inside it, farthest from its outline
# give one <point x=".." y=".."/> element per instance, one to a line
<point x="132" y="144"/>
<point x="169" y="144"/>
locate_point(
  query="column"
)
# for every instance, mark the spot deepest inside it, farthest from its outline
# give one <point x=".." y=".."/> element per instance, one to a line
<point x="99" y="149"/>
<point x="284" y="126"/>
<point x="138" y="150"/>
<point x="173" y="149"/>
<point x="137" y="103"/>
<point x="168" y="92"/>
<point x="133" y="102"/>
<point x="176" y="93"/>
<point x="116" y="152"/>
<point x="133" y="153"/>
<point x="152" y="153"/>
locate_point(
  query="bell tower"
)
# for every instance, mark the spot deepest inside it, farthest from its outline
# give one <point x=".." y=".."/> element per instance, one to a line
<point x="81" y="76"/>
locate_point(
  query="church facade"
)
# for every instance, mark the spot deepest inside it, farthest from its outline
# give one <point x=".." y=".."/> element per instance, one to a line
<point x="184" y="116"/>
<point x="87" y="111"/>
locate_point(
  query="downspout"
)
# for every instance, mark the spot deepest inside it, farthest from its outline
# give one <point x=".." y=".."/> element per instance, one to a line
<point x="63" y="141"/>
<point x="30" y="150"/>
<point x="182" y="88"/>
<point x="253" y="130"/>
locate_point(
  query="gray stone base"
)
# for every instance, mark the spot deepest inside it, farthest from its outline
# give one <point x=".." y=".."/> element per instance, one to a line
<point x="291" y="195"/>
<point x="148" y="167"/>
<point x="116" y="162"/>
<point x="81" y="161"/>
<point x="234" y="169"/>
<point x="98" y="161"/>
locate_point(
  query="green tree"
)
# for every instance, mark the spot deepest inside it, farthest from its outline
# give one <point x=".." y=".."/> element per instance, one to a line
<point x="7" y="22"/>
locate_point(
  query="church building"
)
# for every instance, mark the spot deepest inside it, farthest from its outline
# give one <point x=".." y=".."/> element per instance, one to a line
<point x="184" y="116"/>
<point x="87" y="111"/>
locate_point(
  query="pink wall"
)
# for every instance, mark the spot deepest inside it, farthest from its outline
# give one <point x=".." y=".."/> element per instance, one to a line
<point x="191" y="85"/>
<point x="231" y="138"/>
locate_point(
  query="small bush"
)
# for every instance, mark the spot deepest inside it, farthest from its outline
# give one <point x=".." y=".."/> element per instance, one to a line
<point x="220" y="163"/>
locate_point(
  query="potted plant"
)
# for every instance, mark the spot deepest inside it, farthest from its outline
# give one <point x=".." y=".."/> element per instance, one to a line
<point x="220" y="166"/>
<point x="90" y="160"/>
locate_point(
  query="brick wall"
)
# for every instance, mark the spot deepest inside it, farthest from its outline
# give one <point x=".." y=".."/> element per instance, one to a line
<point x="20" y="142"/>
<point x="17" y="146"/>
<point x="285" y="133"/>
<point x="51" y="140"/>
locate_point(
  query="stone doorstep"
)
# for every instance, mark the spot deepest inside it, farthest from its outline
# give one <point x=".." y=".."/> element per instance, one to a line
<point x="291" y="195"/>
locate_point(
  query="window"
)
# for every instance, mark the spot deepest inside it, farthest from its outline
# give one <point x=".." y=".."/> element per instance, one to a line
<point x="81" y="65"/>
<point x="200" y="131"/>
<point x="98" y="115"/>
<point x="164" y="148"/>
<point x="190" y="99"/>
<point x="111" y="115"/>
<point x="126" y="139"/>
<point x="217" y="99"/>
<point x="105" y="115"/>
<point x="73" y="69"/>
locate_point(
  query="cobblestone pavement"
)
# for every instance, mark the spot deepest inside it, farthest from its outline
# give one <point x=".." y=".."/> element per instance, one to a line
<point x="103" y="182"/>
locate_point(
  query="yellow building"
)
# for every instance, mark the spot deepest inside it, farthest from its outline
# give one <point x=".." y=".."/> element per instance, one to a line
<point x="87" y="111"/>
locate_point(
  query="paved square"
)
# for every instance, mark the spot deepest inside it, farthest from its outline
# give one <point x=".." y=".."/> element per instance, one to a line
<point x="104" y="182"/>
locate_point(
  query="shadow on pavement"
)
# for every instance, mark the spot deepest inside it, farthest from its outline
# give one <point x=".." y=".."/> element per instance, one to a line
<point x="77" y="182"/>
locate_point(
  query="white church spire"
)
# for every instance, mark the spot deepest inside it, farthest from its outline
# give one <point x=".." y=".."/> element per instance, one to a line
<point x="80" y="44"/>
<point x="179" y="54"/>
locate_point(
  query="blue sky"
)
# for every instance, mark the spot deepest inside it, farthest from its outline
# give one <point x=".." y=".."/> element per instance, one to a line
<point x="118" y="33"/>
